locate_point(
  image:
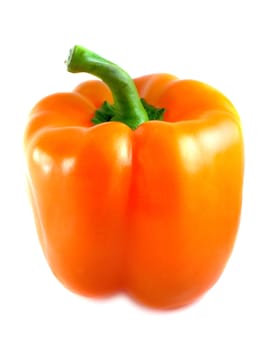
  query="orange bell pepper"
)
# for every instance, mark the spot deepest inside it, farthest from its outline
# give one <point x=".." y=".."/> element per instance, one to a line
<point x="140" y="195"/>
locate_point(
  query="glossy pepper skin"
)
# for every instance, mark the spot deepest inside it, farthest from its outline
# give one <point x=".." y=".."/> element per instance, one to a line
<point x="151" y="210"/>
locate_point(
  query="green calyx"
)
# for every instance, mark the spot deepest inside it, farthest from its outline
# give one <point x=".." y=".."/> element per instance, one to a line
<point x="127" y="108"/>
<point x="107" y="113"/>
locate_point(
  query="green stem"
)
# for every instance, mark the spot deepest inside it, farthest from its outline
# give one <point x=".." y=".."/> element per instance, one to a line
<point x="128" y="107"/>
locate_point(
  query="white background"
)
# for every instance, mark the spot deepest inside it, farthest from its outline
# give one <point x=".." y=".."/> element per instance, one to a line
<point x="218" y="42"/>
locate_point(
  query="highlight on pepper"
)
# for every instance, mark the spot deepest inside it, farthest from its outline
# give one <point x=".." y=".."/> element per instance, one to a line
<point x="135" y="184"/>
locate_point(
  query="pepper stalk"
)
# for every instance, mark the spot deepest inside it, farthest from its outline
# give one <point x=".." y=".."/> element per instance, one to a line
<point x="127" y="108"/>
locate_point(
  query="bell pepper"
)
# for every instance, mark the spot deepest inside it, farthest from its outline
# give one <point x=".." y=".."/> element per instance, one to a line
<point x="136" y="185"/>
